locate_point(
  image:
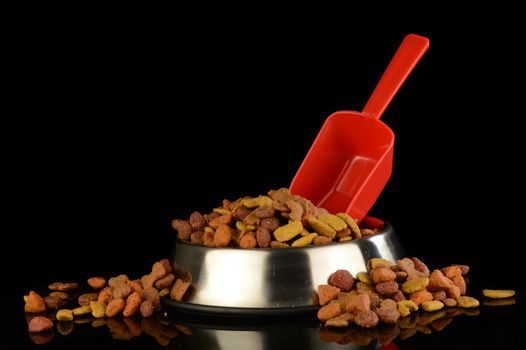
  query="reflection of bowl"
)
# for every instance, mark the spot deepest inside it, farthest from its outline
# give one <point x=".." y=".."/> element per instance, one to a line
<point x="273" y="280"/>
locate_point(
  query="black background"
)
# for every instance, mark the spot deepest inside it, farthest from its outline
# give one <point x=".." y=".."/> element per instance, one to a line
<point x="111" y="134"/>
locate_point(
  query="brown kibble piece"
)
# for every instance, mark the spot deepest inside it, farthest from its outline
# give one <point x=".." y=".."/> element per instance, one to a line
<point x="358" y="303"/>
<point x="382" y="274"/>
<point x="222" y="236"/>
<point x="197" y="237"/>
<point x="450" y="302"/>
<point x="222" y="220"/>
<point x="39" y="324"/>
<point x="121" y="289"/>
<point x="420" y="266"/>
<point x="419" y="297"/>
<point x="53" y="302"/>
<point x="366" y="319"/>
<point x="388" y="312"/>
<point x="342" y="279"/>
<point x="208" y="239"/>
<point x="133" y="303"/>
<point x="115" y="307"/>
<point x="326" y="293"/>
<point x="264" y="212"/>
<point x="437" y="281"/>
<point x="183" y="229"/>
<point x="387" y="288"/>
<point x="276" y="244"/>
<point x="271" y="224"/>
<point x="179" y="289"/>
<point x="241" y="213"/>
<point x="454" y="273"/>
<point x="147" y="308"/>
<point x="152" y="294"/>
<point x="440" y="295"/>
<point x="85" y="299"/>
<point x="63" y="287"/>
<point x="35" y="303"/>
<point x="197" y="221"/>
<point x="463" y="268"/>
<point x="97" y="282"/>
<point x="135" y="285"/>
<point x="296" y="209"/>
<point x="263" y="237"/>
<point x="408" y="266"/>
<point x="329" y="311"/>
<point x="159" y="270"/>
<point x="398" y="296"/>
<point x="165" y="282"/>
<point x="105" y="295"/>
<point x="248" y="241"/>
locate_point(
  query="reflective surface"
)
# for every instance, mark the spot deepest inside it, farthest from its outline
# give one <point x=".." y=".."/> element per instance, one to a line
<point x="276" y="278"/>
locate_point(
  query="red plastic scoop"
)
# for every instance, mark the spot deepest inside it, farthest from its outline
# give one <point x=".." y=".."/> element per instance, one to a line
<point x="351" y="159"/>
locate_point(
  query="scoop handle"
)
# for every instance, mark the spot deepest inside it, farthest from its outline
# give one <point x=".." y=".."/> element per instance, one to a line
<point x="403" y="62"/>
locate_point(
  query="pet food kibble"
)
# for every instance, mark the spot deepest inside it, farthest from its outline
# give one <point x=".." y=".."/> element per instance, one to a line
<point x="305" y="240"/>
<point x="498" y="293"/>
<point x="408" y="266"/>
<point x="421" y="296"/>
<point x="105" y="295"/>
<point x="63" y="287"/>
<point x="437" y="281"/>
<point x="53" y="302"/>
<point x="398" y="296"/>
<point x="35" y="303"/>
<point x="364" y="277"/>
<point x="260" y="201"/>
<point x="383" y="274"/>
<point x="388" y="312"/>
<point x="289" y="231"/>
<point x="467" y="302"/>
<point x="321" y="228"/>
<point x="40" y="324"/>
<point x="197" y="221"/>
<point x="440" y="295"/>
<point x="420" y="266"/>
<point x="326" y="293"/>
<point x="358" y="303"/>
<point x="115" y="307"/>
<point x="405" y="307"/>
<point x="387" y="288"/>
<point x="98" y="309"/>
<point x="333" y="221"/>
<point x="121" y="289"/>
<point x="179" y="289"/>
<point x="263" y="237"/>
<point x="450" y="302"/>
<point x="147" y="309"/>
<point x="64" y="315"/>
<point x="183" y="228"/>
<point x="165" y="282"/>
<point x="415" y="285"/>
<point x="366" y="319"/>
<point x="455" y="274"/>
<point x="264" y="212"/>
<point x="133" y="303"/>
<point x="97" y="282"/>
<point x="222" y="236"/>
<point x="197" y="237"/>
<point x="432" y="305"/>
<point x="378" y="262"/>
<point x="321" y="240"/>
<point x="82" y="310"/>
<point x="340" y="321"/>
<point x="271" y="224"/>
<point x="342" y="279"/>
<point x="248" y="241"/>
<point x="329" y="311"/>
<point x="222" y="220"/>
<point x="85" y="299"/>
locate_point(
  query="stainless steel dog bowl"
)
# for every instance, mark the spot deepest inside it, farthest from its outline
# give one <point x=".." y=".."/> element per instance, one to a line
<point x="272" y="281"/>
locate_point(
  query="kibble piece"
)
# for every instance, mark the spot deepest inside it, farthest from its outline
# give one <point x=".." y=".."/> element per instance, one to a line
<point x="271" y="224"/>
<point x="222" y="236"/>
<point x="467" y="302"/>
<point x="358" y="303"/>
<point x="440" y="295"/>
<point x="408" y="266"/>
<point x="415" y="285"/>
<point x="85" y="299"/>
<point x="366" y="319"/>
<point x="98" y="309"/>
<point x="420" y="266"/>
<point x="248" y="241"/>
<point x="455" y="274"/>
<point x="52" y="302"/>
<point x="382" y="274"/>
<point x="289" y="231"/>
<point x="179" y="289"/>
<point x="437" y="281"/>
<point x="105" y="295"/>
<point x="351" y="223"/>
<point x="421" y="296"/>
<point x="321" y="228"/>
<point x="165" y="282"/>
<point x="342" y="279"/>
<point x="450" y="302"/>
<point x="147" y="309"/>
<point x="276" y="244"/>
<point x="326" y="293"/>
<point x="60" y="295"/>
<point x="432" y="305"/>
<point x="34" y="303"/>
<point x="63" y="287"/>
<point x="329" y="311"/>
<point x="498" y="293"/>
<point x="263" y="237"/>
<point x="375" y="263"/>
<point x="340" y="321"/>
<point x="115" y="307"/>
<point x="305" y="240"/>
<point x="296" y="209"/>
<point x="364" y="278"/>
<point x="133" y="303"/>
<point x="333" y="221"/>
<point x="398" y="296"/>
<point x="405" y="307"/>
<point x="183" y="229"/>
<point x="64" y="315"/>
<point x="82" y="310"/>
<point x="197" y="221"/>
<point x="40" y="324"/>
<point x="197" y="237"/>
<point x="388" y="312"/>
<point x="208" y="239"/>
<point x="387" y="288"/>
<point x="321" y="240"/>
<point x="97" y="282"/>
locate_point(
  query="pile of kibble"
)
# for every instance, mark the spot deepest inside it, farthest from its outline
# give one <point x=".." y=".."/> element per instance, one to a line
<point x="118" y="296"/>
<point x="388" y="291"/>
<point x="279" y="220"/>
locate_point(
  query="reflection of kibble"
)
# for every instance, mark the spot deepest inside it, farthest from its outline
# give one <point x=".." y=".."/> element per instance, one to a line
<point x="277" y="220"/>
